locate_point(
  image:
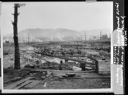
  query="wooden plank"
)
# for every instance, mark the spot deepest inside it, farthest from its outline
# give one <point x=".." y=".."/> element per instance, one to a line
<point x="23" y="84"/>
<point x="34" y="83"/>
<point x="12" y="80"/>
<point x="14" y="85"/>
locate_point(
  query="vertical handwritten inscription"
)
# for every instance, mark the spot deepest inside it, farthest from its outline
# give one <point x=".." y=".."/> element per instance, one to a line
<point x="119" y="43"/>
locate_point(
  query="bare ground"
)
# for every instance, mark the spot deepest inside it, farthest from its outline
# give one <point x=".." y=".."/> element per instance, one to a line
<point x="33" y="79"/>
<point x="27" y="79"/>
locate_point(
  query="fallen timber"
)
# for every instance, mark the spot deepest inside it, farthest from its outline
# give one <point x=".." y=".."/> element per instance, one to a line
<point x="94" y="63"/>
<point x="29" y="81"/>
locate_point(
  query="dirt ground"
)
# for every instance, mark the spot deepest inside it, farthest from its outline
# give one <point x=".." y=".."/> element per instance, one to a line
<point x="27" y="79"/>
<point x="57" y="79"/>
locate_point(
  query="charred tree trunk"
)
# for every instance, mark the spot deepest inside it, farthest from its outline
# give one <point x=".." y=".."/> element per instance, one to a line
<point x="82" y="66"/>
<point x="16" y="44"/>
<point x="97" y="67"/>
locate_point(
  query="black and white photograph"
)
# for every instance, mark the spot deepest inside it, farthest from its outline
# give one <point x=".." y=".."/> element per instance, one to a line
<point x="56" y="45"/>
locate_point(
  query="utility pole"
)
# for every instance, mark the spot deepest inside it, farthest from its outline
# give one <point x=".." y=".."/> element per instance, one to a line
<point x="28" y="39"/>
<point x="100" y="35"/>
<point x="15" y="37"/>
<point x="85" y="36"/>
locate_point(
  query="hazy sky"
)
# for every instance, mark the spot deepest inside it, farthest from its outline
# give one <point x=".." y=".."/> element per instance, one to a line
<point x="73" y="15"/>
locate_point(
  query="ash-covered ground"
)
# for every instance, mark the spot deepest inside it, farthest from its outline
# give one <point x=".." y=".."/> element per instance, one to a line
<point x="58" y="65"/>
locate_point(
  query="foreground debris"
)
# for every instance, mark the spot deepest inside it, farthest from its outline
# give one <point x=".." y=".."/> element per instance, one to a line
<point x="45" y="66"/>
<point x="54" y="79"/>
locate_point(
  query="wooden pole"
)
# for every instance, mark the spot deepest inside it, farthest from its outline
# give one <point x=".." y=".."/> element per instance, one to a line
<point x="97" y="67"/>
<point x="15" y="37"/>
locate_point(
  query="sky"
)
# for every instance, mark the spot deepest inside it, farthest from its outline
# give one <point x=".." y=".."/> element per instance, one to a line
<point x="71" y="15"/>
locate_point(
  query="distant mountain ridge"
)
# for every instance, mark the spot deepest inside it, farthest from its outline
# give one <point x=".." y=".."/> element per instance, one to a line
<point x="58" y="34"/>
<point x="37" y="34"/>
